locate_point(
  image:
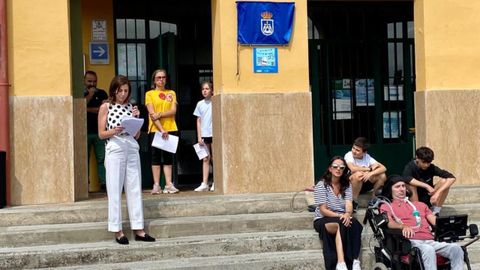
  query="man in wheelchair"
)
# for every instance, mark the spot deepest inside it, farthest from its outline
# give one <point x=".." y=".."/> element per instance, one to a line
<point x="414" y="219"/>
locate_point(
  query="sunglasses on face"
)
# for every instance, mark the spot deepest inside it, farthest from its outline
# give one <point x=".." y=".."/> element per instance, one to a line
<point x="337" y="166"/>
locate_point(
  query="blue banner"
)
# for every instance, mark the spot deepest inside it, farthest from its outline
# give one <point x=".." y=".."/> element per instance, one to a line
<point x="264" y="23"/>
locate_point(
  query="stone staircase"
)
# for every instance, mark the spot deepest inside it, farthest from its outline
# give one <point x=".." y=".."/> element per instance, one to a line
<point x="193" y="231"/>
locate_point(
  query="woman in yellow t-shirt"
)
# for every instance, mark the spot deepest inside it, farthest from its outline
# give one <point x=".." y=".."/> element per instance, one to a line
<point x="162" y="106"/>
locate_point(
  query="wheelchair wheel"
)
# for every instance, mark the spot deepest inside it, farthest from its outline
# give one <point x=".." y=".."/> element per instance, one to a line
<point x="379" y="266"/>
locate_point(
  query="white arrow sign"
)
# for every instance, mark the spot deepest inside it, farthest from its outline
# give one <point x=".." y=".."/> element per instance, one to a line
<point x="100" y="51"/>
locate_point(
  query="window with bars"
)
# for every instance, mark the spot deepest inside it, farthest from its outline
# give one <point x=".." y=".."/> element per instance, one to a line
<point x="132" y="38"/>
<point x="400" y="54"/>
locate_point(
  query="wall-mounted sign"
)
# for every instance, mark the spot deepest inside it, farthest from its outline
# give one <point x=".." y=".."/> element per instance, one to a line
<point x="265" y="60"/>
<point x="99" y="53"/>
<point x="99" y="30"/>
<point x="264" y="23"/>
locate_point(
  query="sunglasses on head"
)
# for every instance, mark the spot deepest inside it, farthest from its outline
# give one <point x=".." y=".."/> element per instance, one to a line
<point x="337" y="166"/>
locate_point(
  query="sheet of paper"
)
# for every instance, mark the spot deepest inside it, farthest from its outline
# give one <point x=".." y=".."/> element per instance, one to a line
<point x="201" y="150"/>
<point x="169" y="145"/>
<point x="132" y="124"/>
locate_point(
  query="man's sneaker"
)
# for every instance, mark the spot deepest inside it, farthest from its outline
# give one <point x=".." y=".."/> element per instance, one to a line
<point x="202" y="187"/>
<point x="212" y="188"/>
<point x="170" y="189"/>
<point x="355" y="206"/>
<point x="356" y="265"/>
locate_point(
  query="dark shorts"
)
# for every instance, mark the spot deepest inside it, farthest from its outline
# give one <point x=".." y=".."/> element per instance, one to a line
<point x="366" y="187"/>
<point x="423" y="196"/>
<point x="207" y="140"/>
<point x="159" y="156"/>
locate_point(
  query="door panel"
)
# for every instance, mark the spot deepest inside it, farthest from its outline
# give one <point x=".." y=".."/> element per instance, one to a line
<point x="362" y="78"/>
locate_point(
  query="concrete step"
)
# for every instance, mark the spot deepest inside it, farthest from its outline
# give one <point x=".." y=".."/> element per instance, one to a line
<point x="252" y="231"/>
<point x="107" y="252"/>
<point x="177" y="205"/>
<point x="51" y="234"/>
<point x="294" y="260"/>
<point x="159" y="206"/>
<point x="258" y="252"/>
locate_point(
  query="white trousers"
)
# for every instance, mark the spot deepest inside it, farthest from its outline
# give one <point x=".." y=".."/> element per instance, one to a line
<point x="429" y="248"/>
<point x="123" y="171"/>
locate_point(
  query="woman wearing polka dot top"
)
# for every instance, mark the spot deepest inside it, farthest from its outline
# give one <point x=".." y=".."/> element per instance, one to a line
<point x="122" y="162"/>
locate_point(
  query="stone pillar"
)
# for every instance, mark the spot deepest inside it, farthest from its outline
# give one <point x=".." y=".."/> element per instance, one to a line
<point x="262" y="122"/>
<point x="447" y="97"/>
<point x="44" y="131"/>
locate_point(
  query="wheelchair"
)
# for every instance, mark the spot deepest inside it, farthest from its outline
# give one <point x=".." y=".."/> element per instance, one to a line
<point x="395" y="252"/>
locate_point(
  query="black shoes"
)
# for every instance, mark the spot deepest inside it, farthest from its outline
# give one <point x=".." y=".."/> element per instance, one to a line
<point x="122" y="240"/>
<point x="145" y="238"/>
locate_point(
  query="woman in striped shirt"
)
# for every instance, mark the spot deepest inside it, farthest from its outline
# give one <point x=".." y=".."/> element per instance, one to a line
<point x="339" y="230"/>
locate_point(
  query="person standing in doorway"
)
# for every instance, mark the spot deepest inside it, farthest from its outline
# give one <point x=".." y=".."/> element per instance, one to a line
<point x="122" y="162"/>
<point x="94" y="97"/>
<point x="162" y="106"/>
<point x="203" y="112"/>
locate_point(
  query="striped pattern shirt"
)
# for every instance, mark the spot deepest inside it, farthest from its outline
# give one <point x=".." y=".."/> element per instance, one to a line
<point x="325" y="195"/>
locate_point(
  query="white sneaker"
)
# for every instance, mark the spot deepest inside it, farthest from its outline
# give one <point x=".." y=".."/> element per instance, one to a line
<point x="341" y="266"/>
<point x="356" y="265"/>
<point x="155" y="189"/>
<point x="202" y="187"/>
<point x="212" y="188"/>
<point x="170" y="189"/>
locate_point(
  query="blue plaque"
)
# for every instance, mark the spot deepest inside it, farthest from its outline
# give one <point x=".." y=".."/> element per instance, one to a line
<point x="265" y="60"/>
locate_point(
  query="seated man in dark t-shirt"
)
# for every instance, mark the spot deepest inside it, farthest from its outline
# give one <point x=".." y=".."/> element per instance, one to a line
<point x="421" y="185"/>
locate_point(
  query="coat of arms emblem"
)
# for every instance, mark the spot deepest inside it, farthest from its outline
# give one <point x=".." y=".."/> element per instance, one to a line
<point x="266" y="23"/>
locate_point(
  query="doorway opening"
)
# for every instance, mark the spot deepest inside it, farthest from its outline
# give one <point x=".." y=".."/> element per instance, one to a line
<point x="176" y="36"/>
<point x="362" y="75"/>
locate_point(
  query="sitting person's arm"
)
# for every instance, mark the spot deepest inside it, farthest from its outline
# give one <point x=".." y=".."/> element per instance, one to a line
<point x="416" y="183"/>
<point x="327" y="212"/>
<point x="354" y="168"/>
<point x="448" y="177"/>
<point x="345" y="217"/>
<point x="432" y="219"/>
<point x="407" y="231"/>
<point x="378" y="168"/>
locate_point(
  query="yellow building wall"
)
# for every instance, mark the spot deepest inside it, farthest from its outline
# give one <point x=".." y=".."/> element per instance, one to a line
<point x="99" y="10"/>
<point x="448" y="82"/>
<point x="292" y="73"/>
<point x="39" y="43"/>
<point x="42" y="108"/>
<point x="447" y="44"/>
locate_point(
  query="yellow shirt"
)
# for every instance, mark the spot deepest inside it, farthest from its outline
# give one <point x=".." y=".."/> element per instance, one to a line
<point x="162" y="101"/>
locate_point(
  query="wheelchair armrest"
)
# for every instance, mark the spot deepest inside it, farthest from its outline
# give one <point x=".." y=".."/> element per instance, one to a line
<point x="396" y="242"/>
<point x="394" y="232"/>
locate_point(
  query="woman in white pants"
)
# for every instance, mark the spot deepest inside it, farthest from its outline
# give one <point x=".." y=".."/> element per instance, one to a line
<point x="122" y="162"/>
